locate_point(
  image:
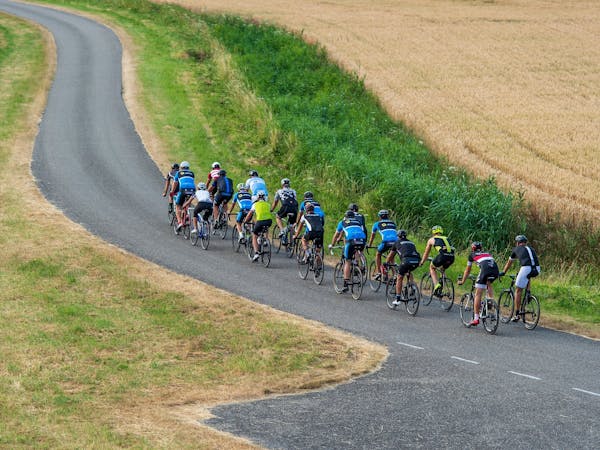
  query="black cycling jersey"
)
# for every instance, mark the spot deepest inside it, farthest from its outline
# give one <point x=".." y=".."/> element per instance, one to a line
<point x="521" y="253"/>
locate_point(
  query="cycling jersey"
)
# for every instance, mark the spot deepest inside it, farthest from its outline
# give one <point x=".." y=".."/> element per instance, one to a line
<point x="243" y="200"/>
<point x="287" y="197"/>
<point x="386" y="229"/>
<point x="526" y="255"/>
<point x="312" y="222"/>
<point x="442" y="245"/>
<point x="203" y="196"/>
<point x="213" y="175"/>
<point x="186" y="180"/>
<point x="256" y="184"/>
<point x="407" y="251"/>
<point x="352" y="228"/>
<point x="224" y="186"/>
<point x="262" y="210"/>
<point x="317" y="205"/>
<point x="488" y="269"/>
<point x="361" y="219"/>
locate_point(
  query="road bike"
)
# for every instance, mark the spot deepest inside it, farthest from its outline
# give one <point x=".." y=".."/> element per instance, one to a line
<point x="529" y="311"/>
<point x="186" y="216"/>
<point x="444" y="294"/>
<point x="284" y="237"/>
<point x="264" y="245"/>
<point x="376" y="279"/>
<point x="488" y="313"/>
<point x="410" y="295"/>
<point x="221" y="225"/>
<point x="236" y="243"/>
<point x="171" y="211"/>
<point x="311" y="260"/>
<point x="202" y="233"/>
<point x="356" y="282"/>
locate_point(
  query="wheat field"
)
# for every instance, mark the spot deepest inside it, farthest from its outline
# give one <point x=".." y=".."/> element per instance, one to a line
<point x="509" y="89"/>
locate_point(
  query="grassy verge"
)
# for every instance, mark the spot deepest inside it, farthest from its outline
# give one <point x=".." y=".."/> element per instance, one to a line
<point x="96" y="353"/>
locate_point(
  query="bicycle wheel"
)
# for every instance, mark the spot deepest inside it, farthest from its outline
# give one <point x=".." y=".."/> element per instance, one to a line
<point x="466" y="309"/>
<point x="447" y="295"/>
<point x="195" y="237"/>
<point x="531" y="312"/>
<point x="357" y="282"/>
<point x="235" y="240"/>
<point x="265" y="255"/>
<point x="204" y="234"/>
<point x="303" y="264"/>
<point x="186" y="230"/>
<point x="249" y="248"/>
<point x="492" y="316"/>
<point x="413" y="297"/>
<point x="318" y="268"/>
<point x="390" y="288"/>
<point x="223" y="224"/>
<point x="290" y="245"/>
<point x="171" y="212"/>
<point x="364" y="267"/>
<point x="506" y="303"/>
<point x="338" y="277"/>
<point x="275" y="239"/>
<point x="374" y="284"/>
<point x="426" y="288"/>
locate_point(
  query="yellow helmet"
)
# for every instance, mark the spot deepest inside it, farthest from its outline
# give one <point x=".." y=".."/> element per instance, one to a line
<point x="436" y="229"/>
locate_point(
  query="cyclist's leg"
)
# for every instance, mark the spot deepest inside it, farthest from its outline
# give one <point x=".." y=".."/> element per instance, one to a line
<point x="217" y="201"/>
<point x="348" y="255"/>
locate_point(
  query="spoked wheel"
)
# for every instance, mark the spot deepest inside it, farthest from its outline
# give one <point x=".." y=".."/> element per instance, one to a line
<point x="338" y="277"/>
<point x="265" y="252"/>
<point x="374" y="284"/>
<point x="171" y="213"/>
<point x="223" y="224"/>
<point x="249" y="249"/>
<point x="290" y="244"/>
<point x="356" y="281"/>
<point x="364" y="267"/>
<point x="204" y="232"/>
<point x="492" y="318"/>
<point x="303" y="265"/>
<point x="506" y="304"/>
<point x="390" y="288"/>
<point x="186" y="230"/>
<point x="235" y="240"/>
<point x="195" y="237"/>
<point x="531" y="312"/>
<point x="413" y="298"/>
<point x="467" y="310"/>
<point x="426" y="289"/>
<point x="275" y="239"/>
<point x="446" y="297"/>
<point x="318" y="267"/>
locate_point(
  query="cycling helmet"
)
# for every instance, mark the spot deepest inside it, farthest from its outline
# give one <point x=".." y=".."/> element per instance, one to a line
<point x="253" y="173"/>
<point x="216" y="165"/>
<point x="222" y="172"/>
<point x="241" y="187"/>
<point x="353" y="207"/>
<point x="261" y="194"/>
<point x="401" y="234"/>
<point x="476" y="246"/>
<point x="285" y="181"/>
<point x="349" y="214"/>
<point x="175" y="166"/>
<point x="308" y="194"/>
<point x="309" y="207"/>
<point x="383" y="213"/>
<point x="201" y="186"/>
<point x="184" y="165"/>
<point x="436" y="229"/>
<point x="521" y="238"/>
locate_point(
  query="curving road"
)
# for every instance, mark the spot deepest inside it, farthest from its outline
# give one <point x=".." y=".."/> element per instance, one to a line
<point x="443" y="385"/>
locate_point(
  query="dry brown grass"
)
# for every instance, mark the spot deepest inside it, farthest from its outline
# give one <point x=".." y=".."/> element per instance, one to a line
<point x="504" y="88"/>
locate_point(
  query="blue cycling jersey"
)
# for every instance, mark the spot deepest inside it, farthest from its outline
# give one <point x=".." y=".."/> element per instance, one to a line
<point x="243" y="200"/>
<point x="317" y="206"/>
<point x="186" y="179"/>
<point x="386" y="229"/>
<point x="352" y="229"/>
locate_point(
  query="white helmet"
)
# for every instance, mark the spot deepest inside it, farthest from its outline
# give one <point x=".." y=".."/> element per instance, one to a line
<point x="285" y="181"/>
<point x="202" y="186"/>
<point x="242" y="187"/>
<point x="184" y="165"/>
<point x="215" y="165"/>
<point x="261" y="194"/>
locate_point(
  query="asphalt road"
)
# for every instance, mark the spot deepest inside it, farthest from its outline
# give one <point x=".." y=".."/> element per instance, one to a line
<point x="443" y="385"/>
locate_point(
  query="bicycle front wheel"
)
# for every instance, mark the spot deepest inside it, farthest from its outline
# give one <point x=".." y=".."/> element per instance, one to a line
<point x="506" y="304"/>
<point x="204" y="235"/>
<point x="531" y="312"/>
<point x="492" y="316"/>
<point x="303" y="265"/>
<point x="318" y="268"/>
<point x="390" y="288"/>
<point x="363" y="266"/>
<point x="467" y="310"/>
<point x="356" y="281"/>
<point x="374" y="284"/>
<point x="338" y="277"/>
<point x="426" y="289"/>
<point x="413" y="297"/>
<point x="290" y="244"/>
<point x="446" y="297"/>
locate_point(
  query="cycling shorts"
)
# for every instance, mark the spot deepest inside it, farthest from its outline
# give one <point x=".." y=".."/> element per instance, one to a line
<point x="408" y="266"/>
<point x="183" y="195"/>
<point x="385" y="246"/>
<point x="262" y="225"/>
<point x="351" y="246"/>
<point x="285" y="210"/>
<point x="487" y="273"/>
<point x="315" y="236"/>
<point x="525" y="273"/>
<point x="205" y="208"/>
<point x="241" y="215"/>
<point x="444" y="260"/>
<point x="222" y="198"/>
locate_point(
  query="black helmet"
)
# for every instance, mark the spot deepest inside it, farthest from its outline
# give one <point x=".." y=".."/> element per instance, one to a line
<point x="521" y="238"/>
<point x="308" y="194"/>
<point x="222" y="172"/>
<point x="175" y="166"/>
<point x="309" y="207"/>
<point x="401" y="234"/>
<point x="476" y="245"/>
<point x="349" y="214"/>
<point x="353" y="207"/>
<point x="253" y="173"/>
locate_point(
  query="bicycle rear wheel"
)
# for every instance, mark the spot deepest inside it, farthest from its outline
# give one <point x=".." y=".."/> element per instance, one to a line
<point x="506" y="304"/>
<point x="318" y="267"/>
<point x="195" y="237"/>
<point x="223" y="224"/>
<point x="374" y="284"/>
<point x="492" y="316"/>
<point x="235" y="240"/>
<point x="363" y="266"/>
<point x="290" y="244"/>
<point x="390" y="288"/>
<point x="265" y="255"/>
<point x="426" y="289"/>
<point x="447" y="295"/>
<point x="275" y="239"/>
<point x="467" y="310"/>
<point x="413" y="297"/>
<point x="338" y="277"/>
<point x="204" y="234"/>
<point x="303" y="264"/>
<point x="531" y="312"/>
<point x="356" y="281"/>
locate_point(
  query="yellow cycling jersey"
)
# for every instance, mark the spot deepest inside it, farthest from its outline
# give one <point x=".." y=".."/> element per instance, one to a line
<point x="262" y="210"/>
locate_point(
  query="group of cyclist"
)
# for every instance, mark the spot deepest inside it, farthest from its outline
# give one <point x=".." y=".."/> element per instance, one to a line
<point x="251" y="198"/>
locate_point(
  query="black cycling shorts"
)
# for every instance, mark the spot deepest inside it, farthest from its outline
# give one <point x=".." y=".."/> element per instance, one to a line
<point x="205" y="208"/>
<point x="444" y="260"/>
<point x="315" y="236"/>
<point x="222" y="198"/>
<point x="487" y="273"/>
<point x="287" y="209"/>
<point x="262" y="225"/>
<point x="408" y="266"/>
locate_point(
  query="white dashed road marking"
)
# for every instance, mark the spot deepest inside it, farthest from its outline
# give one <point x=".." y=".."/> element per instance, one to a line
<point x="410" y="345"/>
<point x="587" y="392"/>
<point x="464" y="360"/>
<point x="531" y="377"/>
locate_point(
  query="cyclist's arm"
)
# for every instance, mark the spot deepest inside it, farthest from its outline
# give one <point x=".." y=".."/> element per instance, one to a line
<point x="391" y="256"/>
<point x="507" y="265"/>
<point x="232" y="207"/>
<point x="299" y="219"/>
<point x="249" y="216"/>
<point x="188" y="201"/>
<point x="371" y="238"/>
<point x="465" y="274"/>
<point x="426" y="252"/>
<point x="274" y="204"/>
<point x="175" y="187"/>
<point x="298" y="229"/>
<point x="336" y="238"/>
<point x="167" y="184"/>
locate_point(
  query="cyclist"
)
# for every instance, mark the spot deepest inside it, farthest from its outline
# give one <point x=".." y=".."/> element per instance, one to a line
<point x="314" y="229"/>
<point x="359" y="216"/>
<point x="387" y="230"/>
<point x="243" y="200"/>
<point x="530" y="268"/>
<point x="488" y="272"/>
<point x="261" y="211"/>
<point x="184" y="187"/>
<point x="214" y="173"/>
<point x="289" y="205"/>
<point x="204" y="205"/>
<point x="222" y="188"/>
<point x="309" y="198"/>
<point x="255" y="184"/>
<point x="409" y="261"/>
<point x="170" y="175"/>
<point x="352" y="230"/>
<point x="444" y="258"/>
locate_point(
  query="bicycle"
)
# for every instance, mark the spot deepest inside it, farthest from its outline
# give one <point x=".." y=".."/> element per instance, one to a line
<point x="263" y="244"/>
<point x="284" y="239"/>
<point x="410" y="295"/>
<point x="529" y="310"/>
<point x="488" y="313"/>
<point x="202" y="233"/>
<point x="235" y="239"/>
<point x="171" y="211"/>
<point x="377" y="278"/>
<point x="445" y="294"/>
<point x="186" y="216"/>
<point x="313" y="262"/>
<point x="356" y="282"/>
<point x="221" y="225"/>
